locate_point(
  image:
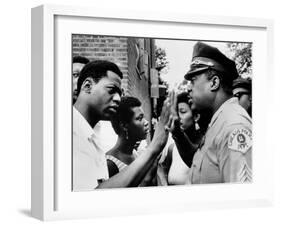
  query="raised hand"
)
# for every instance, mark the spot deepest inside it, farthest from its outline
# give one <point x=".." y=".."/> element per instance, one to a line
<point x="173" y="118"/>
<point x="167" y="120"/>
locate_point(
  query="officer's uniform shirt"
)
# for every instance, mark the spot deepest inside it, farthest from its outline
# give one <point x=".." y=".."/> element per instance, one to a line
<point x="89" y="162"/>
<point x="225" y="153"/>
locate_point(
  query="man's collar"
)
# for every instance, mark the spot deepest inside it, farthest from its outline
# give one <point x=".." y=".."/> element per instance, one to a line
<point x="221" y="108"/>
<point x="79" y="122"/>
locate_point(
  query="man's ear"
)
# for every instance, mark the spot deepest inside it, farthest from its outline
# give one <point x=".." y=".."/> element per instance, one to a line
<point x="87" y="85"/>
<point x="215" y="83"/>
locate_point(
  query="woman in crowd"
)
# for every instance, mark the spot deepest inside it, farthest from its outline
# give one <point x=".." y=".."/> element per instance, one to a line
<point x="171" y="169"/>
<point x="131" y="127"/>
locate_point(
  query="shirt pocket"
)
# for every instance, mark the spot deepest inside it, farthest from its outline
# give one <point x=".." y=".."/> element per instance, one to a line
<point x="210" y="172"/>
<point x="196" y="167"/>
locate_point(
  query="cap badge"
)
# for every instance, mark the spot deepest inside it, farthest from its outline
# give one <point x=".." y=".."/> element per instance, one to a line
<point x="198" y="62"/>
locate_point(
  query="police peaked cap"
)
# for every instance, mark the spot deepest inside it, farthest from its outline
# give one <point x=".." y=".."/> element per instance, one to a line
<point x="207" y="57"/>
<point x="242" y="84"/>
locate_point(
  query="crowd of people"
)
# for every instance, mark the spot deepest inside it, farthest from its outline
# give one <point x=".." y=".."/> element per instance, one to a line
<point x="202" y="136"/>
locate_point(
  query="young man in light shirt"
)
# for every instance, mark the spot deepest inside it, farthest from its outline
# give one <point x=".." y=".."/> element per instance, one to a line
<point x="99" y="90"/>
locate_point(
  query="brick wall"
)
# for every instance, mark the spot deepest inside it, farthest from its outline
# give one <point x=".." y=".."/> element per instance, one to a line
<point x="124" y="52"/>
<point x="102" y="47"/>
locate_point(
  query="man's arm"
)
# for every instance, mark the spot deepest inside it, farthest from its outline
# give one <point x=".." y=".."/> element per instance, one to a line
<point x="164" y="166"/>
<point x="185" y="147"/>
<point x="112" y="168"/>
<point x="133" y="174"/>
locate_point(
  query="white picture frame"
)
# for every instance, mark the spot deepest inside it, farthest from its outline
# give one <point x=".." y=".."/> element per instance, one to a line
<point x="52" y="198"/>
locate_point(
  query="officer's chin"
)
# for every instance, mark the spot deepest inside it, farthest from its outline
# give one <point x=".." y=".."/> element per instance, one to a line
<point x="107" y="116"/>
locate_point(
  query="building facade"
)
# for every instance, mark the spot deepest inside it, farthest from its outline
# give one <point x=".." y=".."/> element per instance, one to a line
<point x="134" y="56"/>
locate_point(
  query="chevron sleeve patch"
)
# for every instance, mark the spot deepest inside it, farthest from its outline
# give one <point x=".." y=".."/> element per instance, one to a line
<point x="245" y="174"/>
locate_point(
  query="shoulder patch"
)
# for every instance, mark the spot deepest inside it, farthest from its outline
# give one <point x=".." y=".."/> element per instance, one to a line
<point x="240" y="140"/>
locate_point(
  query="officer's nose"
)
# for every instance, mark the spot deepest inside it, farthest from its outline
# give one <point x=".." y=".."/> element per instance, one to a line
<point x="189" y="88"/>
<point x="117" y="98"/>
<point x="145" y="122"/>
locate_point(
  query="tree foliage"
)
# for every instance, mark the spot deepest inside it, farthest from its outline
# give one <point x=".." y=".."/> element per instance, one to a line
<point x="161" y="65"/>
<point x="241" y="53"/>
<point x="161" y="59"/>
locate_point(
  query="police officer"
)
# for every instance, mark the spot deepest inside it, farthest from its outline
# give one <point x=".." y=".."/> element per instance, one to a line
<point x="225" y="152"/>
<point x="242" y="89"/>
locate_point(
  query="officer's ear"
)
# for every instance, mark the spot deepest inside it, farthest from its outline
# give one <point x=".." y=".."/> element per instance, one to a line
<point x="87" y="85"/>
<point x="215" y="83"/>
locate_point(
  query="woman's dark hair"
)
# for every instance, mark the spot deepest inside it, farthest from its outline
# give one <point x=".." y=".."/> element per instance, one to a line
<point x="193" y="134"/>
<point x="80" y="59"/>
<point x="183" y="98"/>
<point x="96" y="70"/>
<point x="124" y="112"/>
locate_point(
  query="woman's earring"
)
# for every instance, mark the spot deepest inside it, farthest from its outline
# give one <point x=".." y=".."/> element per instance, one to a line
<point x="126" y="134"/>
<point x="197" y="117"/>
<point x="197" y="127"/>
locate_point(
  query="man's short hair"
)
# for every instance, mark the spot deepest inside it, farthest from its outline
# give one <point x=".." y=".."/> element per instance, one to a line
<point x="80" y="59"/>
<point x="124" y="112"/>
<point x="225" y="82"/>
<point x="96" y="70"/>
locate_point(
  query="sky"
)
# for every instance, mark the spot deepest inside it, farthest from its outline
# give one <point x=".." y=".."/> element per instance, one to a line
<point x="179" y="54"/>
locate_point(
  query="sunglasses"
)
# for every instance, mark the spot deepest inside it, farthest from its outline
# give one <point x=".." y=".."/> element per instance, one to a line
<point x="240" y="94"/>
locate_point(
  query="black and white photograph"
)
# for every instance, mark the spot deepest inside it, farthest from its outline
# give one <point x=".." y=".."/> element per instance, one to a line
<point x="151" y="112"/>
<point x="160" y="112"/>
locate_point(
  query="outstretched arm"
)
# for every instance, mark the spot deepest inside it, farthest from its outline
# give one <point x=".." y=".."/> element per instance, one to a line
<point x="132" y="175"/>
<point x="184" y="145"/>
<point x="112" y="168"/>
